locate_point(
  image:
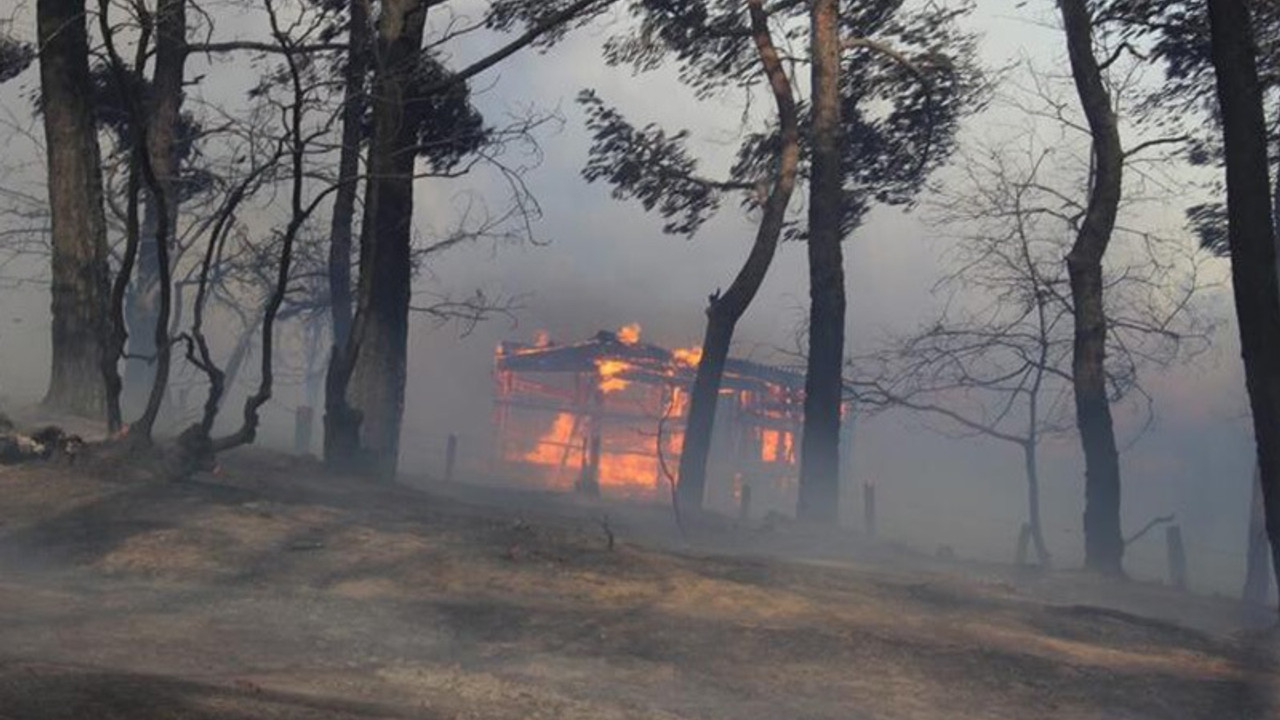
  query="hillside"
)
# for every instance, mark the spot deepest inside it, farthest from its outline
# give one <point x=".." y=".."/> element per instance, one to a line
<point x="274" y="591"/>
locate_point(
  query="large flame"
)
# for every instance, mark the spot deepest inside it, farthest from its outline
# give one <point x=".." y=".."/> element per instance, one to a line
<point x="688" y="357"/>
<point x="775" y="446"/>
<point x="609" y="371"/>
<point x="629" y="334"/>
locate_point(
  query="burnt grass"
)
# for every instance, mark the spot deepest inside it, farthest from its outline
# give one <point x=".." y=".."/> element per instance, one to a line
<point x="273" y="590"/>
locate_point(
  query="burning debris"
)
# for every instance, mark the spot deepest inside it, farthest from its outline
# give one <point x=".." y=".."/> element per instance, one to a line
<point x="586" y="416"/>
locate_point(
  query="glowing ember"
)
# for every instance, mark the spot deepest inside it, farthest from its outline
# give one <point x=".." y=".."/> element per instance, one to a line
<point x="629" y="334"/>
<point x="542" y="339"/>
<point x="689" y="357"/>
<point x="609" y="370"/>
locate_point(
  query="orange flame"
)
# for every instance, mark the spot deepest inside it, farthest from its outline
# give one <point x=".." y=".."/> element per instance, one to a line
<point x="627" y="463"/>
<point x="609" y="370"/>
<point x="629" y="334"/>
<point x="542" y="339"/>
<point x="689" y="357"/>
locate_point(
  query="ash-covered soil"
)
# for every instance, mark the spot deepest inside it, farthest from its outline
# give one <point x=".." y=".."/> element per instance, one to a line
<point x="275" y="591"/>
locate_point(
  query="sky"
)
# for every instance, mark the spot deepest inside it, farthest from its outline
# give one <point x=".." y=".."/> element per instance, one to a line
<point x="601" y="263"/>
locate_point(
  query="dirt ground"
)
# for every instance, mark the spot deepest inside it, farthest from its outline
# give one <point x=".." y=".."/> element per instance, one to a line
<point x="274" y="591"/>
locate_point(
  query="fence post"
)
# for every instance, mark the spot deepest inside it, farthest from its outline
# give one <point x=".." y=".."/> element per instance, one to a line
<point x="450" y="457"/>
<point x="302" y="419"/>
<point x="869" y="508"/>
<point x="744" y="506"/>
<point x="1177" y="557"/>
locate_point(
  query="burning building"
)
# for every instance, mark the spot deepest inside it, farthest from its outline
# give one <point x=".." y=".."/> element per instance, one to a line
<point x="608" y="415"/>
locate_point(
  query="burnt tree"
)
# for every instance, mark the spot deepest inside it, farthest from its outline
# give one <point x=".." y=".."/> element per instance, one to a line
<point x="344" y="199"/>
<point x="824" y="388"/>
<point x="1251" y="238"/>
<point x="1176" y="34"/>
<point x="887" y="156"/>
<point x="724" y="311"/>
<point x="80" y="369"/>
<point x="373" y="363"/>
<point x="417" y="107"/>
<point x="1104" y="543"/>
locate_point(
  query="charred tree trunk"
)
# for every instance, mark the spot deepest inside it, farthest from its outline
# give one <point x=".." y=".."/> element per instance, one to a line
<point x="1252" y="241"/>
<point x="344" y="199"/>
<point x="367" y="384"/>
<point x="1257" y="575"/>
<point x="1104" y="544"/>
<point x="820" y="446"/>
<point x="162" y="124"/>
<point x="723" y="312"/>
<point x="81" y="370"/>
<point x="1030" y="447"/>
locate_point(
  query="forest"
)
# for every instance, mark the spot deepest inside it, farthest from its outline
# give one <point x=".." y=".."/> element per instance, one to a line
<point x="854" y="358"/>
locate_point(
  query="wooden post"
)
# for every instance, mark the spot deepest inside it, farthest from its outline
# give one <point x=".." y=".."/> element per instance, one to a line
<point x="869" y="508"/>
<point x="589" y="478"/>
<point x="1024" y="543"/>
<point x="302" y="419"/>
<point x="744" y="507"/>
<point x="1177" y="557"/>
<point x="450" y="457"/>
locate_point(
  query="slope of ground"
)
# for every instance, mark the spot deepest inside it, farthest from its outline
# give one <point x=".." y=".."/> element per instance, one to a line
<point x="274" y="591"/>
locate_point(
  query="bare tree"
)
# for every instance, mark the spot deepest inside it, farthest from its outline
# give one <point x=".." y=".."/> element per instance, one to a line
<point x="998" y="361"/>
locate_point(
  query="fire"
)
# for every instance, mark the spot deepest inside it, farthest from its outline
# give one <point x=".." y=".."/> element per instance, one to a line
<point x="679" y="403"/>
<point x="609" y="370"/>
<point x="775" y="446"/>
<point x="629" y="471"/>
<point x="542" y="339"/>
<point x="689" y="357"/>
<point x="627" y="462"/>
<point x="557" y="448"/>
<point x="629" y="334"/>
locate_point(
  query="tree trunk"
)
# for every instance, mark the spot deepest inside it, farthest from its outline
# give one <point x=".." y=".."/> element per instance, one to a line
<point x="1033" y="502"/>
<point x="724" y="311"/>
<point x="369" y="401"/>
<point x="1104" y="543"/>
<point x="1252" y="241"/>
<point x="1257" y="574"/>
<point x="820" y="446"/>
<point x="81" y="371"/>
<point x="161" y="124"/>
<point x="344" y="198"/>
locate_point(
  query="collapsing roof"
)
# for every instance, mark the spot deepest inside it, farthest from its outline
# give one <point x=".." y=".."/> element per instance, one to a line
<point x="644" y="363"/>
